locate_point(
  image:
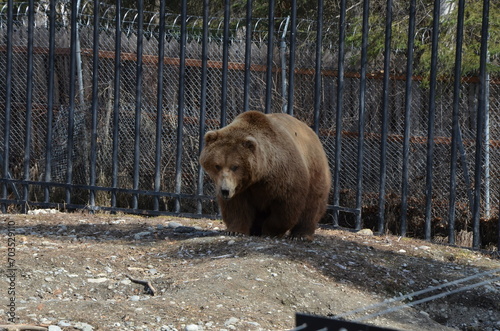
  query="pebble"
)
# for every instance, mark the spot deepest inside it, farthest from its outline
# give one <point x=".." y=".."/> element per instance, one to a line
<point x="134" y="298"/>
<point x="64" y="324"/>
<point x="54" y="328"/>
<point x="192" y="327"/>
<point x="140" y="235"/>
<point x="97" y="280"/>
<point x="231" y="321"/>
<point x="83" y="326"/>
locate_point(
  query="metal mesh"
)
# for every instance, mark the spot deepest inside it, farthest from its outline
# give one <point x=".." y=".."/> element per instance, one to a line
<point x="303" y="109"/>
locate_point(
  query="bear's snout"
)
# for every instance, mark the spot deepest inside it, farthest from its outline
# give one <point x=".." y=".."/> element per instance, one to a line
<point x="224" y="193"/>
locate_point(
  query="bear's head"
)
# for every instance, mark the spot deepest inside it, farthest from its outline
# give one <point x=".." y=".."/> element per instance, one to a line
<point x="231" y="160"/>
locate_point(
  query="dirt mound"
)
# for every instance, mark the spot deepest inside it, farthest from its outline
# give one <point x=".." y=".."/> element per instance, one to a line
<point x="80" y="272"/>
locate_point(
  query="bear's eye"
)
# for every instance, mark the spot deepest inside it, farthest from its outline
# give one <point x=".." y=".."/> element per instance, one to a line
<point x="218" y="167"/>
<point x="234" y="168"/>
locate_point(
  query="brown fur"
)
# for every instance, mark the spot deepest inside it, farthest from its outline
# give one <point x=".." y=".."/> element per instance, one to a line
<point x="271" y="175"/>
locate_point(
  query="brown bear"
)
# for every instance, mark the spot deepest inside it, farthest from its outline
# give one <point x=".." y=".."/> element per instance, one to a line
<point x="271" y="175"/>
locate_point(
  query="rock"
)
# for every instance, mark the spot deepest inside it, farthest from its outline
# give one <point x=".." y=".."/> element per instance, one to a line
<point x="97" y="280"/>
<point x="126" y="281"/>
<point x="184" y="229"/>
<point x="83" y="326"/>
<point x="173" y="225"/>
<point x="64" y="324"/>
<point x="365" y="232"/>
<point x="140" y="235"/>
<point x="134" y="298"/>
<point x="192" y="327"/>
<point x="231" y="321"/>
<point x="54" y="328"/>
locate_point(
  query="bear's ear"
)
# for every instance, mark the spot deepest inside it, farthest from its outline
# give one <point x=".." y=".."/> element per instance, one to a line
<point x="250" y="143"/>
<point x="210" y="137"/>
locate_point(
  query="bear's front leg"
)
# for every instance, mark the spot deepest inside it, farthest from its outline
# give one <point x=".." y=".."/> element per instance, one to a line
<point x="282" y="217"/>
<point x="238" y="215"/>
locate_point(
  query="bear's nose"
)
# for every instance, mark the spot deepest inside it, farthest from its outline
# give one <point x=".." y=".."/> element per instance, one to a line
<point x="224" y="193"/>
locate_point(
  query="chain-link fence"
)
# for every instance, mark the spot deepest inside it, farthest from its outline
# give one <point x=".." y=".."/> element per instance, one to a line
<point x="231" y="106"/>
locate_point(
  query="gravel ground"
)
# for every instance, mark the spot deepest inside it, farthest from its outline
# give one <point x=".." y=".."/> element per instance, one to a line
<point x="121" y="272"/>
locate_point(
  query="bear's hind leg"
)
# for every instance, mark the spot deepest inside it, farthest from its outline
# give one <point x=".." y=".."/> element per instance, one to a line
<point x="308" y="222"/>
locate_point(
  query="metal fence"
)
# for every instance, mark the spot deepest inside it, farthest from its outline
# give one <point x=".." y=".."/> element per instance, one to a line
<point x="105" y="108"/>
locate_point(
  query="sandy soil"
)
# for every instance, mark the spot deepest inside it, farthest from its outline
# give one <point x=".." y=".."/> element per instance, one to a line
<point x="80" y="272"/>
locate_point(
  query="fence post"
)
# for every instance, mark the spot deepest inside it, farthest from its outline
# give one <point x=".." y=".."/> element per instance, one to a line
<point x="455" y="124"/>
<point x="385" y="107"/>
<point x="159" y="107"/>
<point x="338" y="119"/>
<point x="431" y="118"/>
<point x="291" y="66"/>
<point x="248" y="54"/>
<point x="284" y="93"/>
<point x="317" y="72"/>
<point x="138" y="102"/>
<point x="116" y="102"/>
<point x="50" y="99"/>
<point x="29" y="104"/>
<point x="362" y="109"/>
<point x="180" y="108"/>
<point x="270" y="49"/>
<point x="225" y="61"/>
<point x="481" y="111"/>
<point x="8" y="100"/>
<point x="203" y="100"/>
<point x="407" y="115"/>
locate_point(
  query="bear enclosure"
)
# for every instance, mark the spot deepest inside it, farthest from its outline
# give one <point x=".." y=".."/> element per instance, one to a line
<point x="105" y="108"/>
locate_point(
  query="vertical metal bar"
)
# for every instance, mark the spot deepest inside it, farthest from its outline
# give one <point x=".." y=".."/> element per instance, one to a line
<point x="203" y="99"/>
<point x="455" y="125"/>
<point x="180" y="109"/>
<point x="72" y="94"/>
<point x="116" y="101"/>
<point x="78" y="54"/>
<point x="50" y="99"/>
<point x="362" y="109"/>
<point x="407" y="116"/>
<point x="270" y="49"/>
<point x="138" y="101"/>
<point x="284" y="91"/>
<point x="95" y="106"/>
<point x="291" y="66"/>
<point x="385" y="110"/>
<point x="481" y="111"/>
<point x="431" y="119"/>
<point x="248" y="56"/>
<point x="8" y="100"/>
<point x="338" y="121"/>
<point x="317" y="72"/>
<point x="159" y="107"/>
<point x="487" y="159"/>
<point x="29" y="102"/>
<point x="225" y="61"/>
